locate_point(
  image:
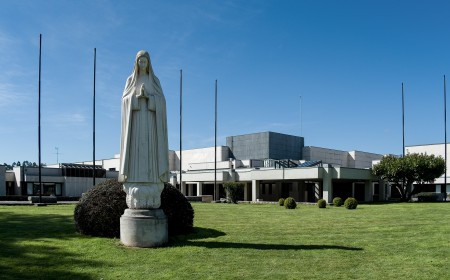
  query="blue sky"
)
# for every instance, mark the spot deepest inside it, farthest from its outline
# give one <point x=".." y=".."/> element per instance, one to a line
<point x="346" y="59"/>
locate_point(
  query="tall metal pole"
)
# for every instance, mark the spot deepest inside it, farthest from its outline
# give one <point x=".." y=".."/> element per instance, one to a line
<point x="445" y="141"/>
<point x="57" y="155"/>
<point x="181" y="130"/>
<point x="403" y="129"/>
<point x="215" y="141"/>
<point x="301" y="116"/>
<point x="93" y="124"/>
<point x="403" y="120"/>
<point x="39" y="121"/>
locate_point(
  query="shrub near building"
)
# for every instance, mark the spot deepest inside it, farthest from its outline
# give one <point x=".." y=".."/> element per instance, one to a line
<point x="281" y="201"/>
<point x="289" y="203"/>
<point x="234" y="190"/>
<point x="351" y="203"/>
<point x="337" y="201"/>
<point x="321" y="203"/>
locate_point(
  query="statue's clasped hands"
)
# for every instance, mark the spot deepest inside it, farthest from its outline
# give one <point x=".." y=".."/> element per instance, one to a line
<point x="142" y="93"/>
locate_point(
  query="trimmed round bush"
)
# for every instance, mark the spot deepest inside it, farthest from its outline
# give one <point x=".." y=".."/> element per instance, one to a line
<point x="321" y="203"/>
<point x="281" y="201"/>
<point x="289" y="203"/>
<point x="351" y="203"/>
<point x="337" y="201"/>
<point x="99" y="210"/>
<point x="179" y="211"/>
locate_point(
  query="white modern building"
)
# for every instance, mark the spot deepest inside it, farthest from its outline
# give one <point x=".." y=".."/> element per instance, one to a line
<point x="273" y="165"/>
<point x="270" y="165"/>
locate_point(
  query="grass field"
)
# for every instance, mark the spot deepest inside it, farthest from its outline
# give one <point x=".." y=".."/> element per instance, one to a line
<point x="380" y="241"/>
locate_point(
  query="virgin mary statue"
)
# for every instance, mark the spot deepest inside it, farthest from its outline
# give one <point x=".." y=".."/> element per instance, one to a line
<point x="144" y="165"/>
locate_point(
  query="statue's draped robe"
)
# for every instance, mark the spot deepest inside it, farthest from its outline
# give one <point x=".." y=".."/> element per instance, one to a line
<point x="144" y="147"/>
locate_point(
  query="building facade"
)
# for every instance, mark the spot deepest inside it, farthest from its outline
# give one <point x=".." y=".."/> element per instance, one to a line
<point x="270" y="166"/>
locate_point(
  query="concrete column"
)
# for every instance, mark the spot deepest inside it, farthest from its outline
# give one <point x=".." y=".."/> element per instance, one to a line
<point x="353" y="189"/>
<point x="327" y="192"/>
<point x="199" y="188"/>
<point x="255" y="190"/>
<point x="183" y="188"/>
<point x="190" y="190"/>
<point x="368" y="190"/>
<point x="246" y="191"/>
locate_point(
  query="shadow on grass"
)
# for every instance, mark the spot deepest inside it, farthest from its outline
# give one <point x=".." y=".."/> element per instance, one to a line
<point x="256" y="246"/>
<point x="203" y="233"/>
<point x="27" y="251"/>
<point x="197" y="233"/>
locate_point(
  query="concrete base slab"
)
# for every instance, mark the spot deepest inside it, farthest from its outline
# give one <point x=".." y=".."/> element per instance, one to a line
<point x="40" y="204"/>
<point x="144" y="228"/>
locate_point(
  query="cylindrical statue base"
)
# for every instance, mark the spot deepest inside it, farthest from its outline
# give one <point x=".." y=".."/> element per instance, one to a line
<point x="144" y="228"/>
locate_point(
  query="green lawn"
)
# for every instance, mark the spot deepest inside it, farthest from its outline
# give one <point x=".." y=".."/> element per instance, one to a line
<point x="390" y="241"/>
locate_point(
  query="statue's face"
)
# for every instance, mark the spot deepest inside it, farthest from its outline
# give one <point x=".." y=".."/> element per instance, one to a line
<point x="142" y="62"/>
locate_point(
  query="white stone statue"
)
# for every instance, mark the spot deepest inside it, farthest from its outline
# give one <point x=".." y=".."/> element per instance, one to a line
<point x="144" y="165"/>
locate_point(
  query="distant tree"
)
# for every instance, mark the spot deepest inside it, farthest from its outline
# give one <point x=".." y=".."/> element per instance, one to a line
<point x="402" y="172"/>
<point x="233" y="190"/>
<point x="7" y="166"/>
<point x="25" y="163"/>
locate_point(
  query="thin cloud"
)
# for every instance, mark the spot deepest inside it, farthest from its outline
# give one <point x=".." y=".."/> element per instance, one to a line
<point x="67" y="120"/>
<point x="9" y="96"/>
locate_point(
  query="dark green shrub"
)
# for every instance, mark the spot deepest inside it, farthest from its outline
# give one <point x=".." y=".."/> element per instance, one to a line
<point x="337" y="201"/>
<point x="179" y="211"/>
<point x="234" y="190"/>
<point x="322" y="203"/>
<point x="289" y="203"/>
<point x="431" y="197"/>
<point x="281" y="201"/>
<point x="99" y="210"/>
<point x="351" y="203"/>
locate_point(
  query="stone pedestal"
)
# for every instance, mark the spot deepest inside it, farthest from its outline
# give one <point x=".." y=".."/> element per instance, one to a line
<point x="144" y="228"/>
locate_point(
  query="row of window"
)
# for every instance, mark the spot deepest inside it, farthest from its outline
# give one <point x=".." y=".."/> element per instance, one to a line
<point x="47" y="189"/>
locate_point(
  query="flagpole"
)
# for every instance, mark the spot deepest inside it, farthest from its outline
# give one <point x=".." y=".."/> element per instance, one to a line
<point x="39" y="120"/>
<point x="403" y="120"/>
<point x="93" y="124"/>
<point x="403" y="128"/>
<point x="445" y="141"/>
<point x="301" y="116"/>
<point x="215" y="141"/>
<point x="181" y="130"/>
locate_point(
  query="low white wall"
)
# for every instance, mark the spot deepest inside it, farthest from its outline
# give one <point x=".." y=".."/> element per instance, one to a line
<point x="75" y="186"/>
